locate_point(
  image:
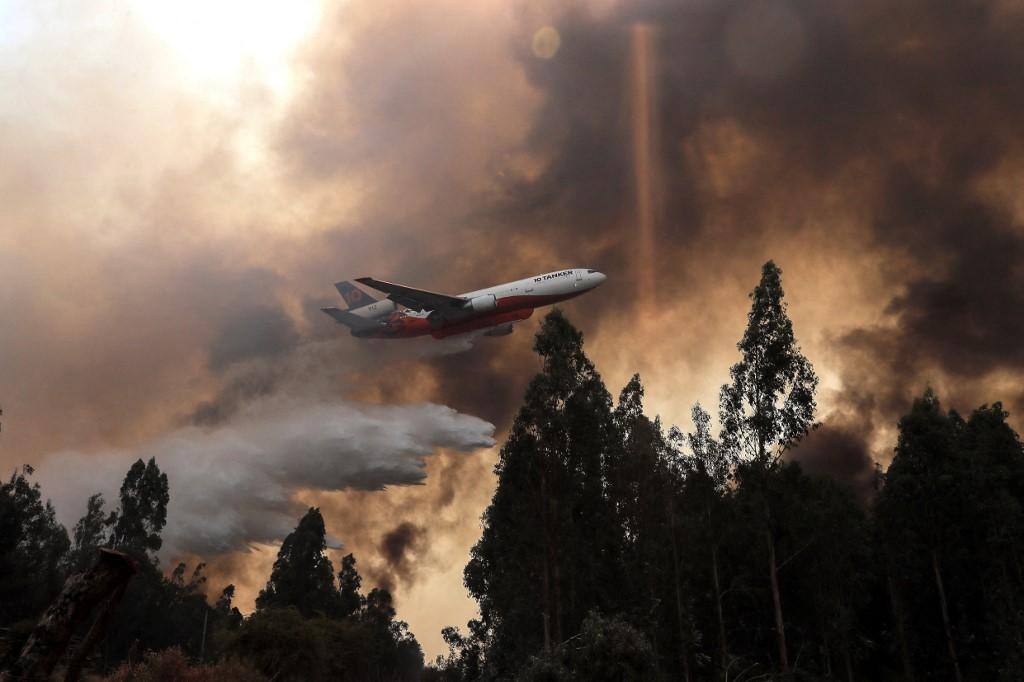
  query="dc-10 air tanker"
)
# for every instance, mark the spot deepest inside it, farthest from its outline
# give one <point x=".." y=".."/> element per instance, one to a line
<point x="408" y="312"/>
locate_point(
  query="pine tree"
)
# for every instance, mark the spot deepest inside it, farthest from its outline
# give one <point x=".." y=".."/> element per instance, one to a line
<point x="303" y="576"/>
<point x="767" y="408"/>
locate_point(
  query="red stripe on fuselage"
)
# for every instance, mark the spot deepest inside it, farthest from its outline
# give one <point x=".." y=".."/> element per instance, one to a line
<point x="509" y="309"/>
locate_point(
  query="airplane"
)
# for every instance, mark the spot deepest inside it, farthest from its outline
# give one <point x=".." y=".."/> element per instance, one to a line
<point x="409" y="312"/>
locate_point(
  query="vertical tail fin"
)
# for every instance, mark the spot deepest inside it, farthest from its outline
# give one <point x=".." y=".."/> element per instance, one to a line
<point x="353" y="295"/>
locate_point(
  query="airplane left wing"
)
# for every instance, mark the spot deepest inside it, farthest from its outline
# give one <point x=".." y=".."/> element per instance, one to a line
<point x="417" y="299"/>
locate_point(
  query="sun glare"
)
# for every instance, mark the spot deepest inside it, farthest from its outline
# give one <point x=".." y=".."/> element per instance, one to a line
<point x="224" y="40"/>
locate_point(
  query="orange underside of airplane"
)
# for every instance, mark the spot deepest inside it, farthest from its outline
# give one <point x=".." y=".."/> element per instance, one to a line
<point x="512" y="309"/>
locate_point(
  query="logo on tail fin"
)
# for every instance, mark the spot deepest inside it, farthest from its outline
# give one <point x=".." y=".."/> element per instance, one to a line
<point x="353" y="295"/>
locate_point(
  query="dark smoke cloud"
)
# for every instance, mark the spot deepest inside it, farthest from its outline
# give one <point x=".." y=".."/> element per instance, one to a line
<point x="398" y="547"/>
<point x="842" y="452"/>
<point x="247" y="386"/>
<point x="258" y="331"/>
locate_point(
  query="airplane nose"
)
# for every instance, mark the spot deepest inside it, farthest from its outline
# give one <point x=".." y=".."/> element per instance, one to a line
<point x="598" y="278"/>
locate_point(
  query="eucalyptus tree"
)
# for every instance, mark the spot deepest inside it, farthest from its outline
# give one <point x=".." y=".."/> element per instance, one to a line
<point x="765" y="410"/>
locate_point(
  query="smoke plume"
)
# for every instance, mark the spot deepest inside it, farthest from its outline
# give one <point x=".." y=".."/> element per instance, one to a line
<point x="234" y="484"/>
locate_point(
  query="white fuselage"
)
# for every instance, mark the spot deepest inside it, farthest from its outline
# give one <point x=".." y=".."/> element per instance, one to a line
<point x="557" y="283"/>
<point x="539" y="289"/>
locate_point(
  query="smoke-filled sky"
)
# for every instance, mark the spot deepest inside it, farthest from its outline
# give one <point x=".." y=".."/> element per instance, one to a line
<point x="181" y="183"/>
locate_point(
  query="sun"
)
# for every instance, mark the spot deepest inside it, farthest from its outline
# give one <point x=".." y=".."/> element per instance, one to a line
<point x="221" y="41"/>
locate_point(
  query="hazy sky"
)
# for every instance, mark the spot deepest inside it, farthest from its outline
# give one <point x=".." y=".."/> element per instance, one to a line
<point x="181" y="183"/>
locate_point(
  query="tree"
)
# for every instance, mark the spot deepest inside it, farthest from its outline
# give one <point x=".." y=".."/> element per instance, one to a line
<point x="229" y="615"/>
<point x="830" y="529"/>
<point x="349" y="583"/>
<point x="143" y="512"/>
<point x="643" y="480"/>
<point x="393" y="651"/>
<point x="990" y="565"/>
<point x="464" y="661"/>
<point x="950" y="524"/>
<point x="284" y="645"/>
<point x="767" y="408"/>
<point x="160" y="611"/>
<point x="706" y="488"/>
<point x="550" y="548"/>
<point x="303" y="576"/>
<point x="606" y="649"/>
<point x="90" y="534"/>
<point x="32" y="549"/>
<point x="918" y="505"/>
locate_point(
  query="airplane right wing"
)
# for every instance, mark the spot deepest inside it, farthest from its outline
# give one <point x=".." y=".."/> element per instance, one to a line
<point x="417" y="299"/>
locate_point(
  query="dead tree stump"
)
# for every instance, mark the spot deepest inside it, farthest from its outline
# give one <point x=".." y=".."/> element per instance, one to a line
<point x="82" y="593"/>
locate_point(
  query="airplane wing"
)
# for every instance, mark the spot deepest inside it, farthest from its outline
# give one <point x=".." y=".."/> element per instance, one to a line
<point x="417" y="299"/>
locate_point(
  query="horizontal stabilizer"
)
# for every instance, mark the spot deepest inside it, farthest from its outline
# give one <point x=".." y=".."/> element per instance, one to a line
<point x="351" y="320"/>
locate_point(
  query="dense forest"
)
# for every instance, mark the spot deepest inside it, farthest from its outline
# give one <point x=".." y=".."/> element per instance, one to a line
<point x="613" y="549"/>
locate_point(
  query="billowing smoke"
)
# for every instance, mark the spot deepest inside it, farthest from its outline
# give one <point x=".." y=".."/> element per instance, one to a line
<point x="398" y="547"/>
<point x="234" y="484"/>
<point x="840" y="451"/>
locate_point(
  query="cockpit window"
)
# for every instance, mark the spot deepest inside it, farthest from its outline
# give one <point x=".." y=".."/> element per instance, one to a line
<point x="590" y="272"/>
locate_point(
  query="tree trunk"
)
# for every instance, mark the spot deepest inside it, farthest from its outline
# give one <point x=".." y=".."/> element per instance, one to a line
<point x="826" y="652"/>
<point x="684" y="640"/>
<point x="847" y="660"/>
<point x="556" y="575"/>
<point x="780" y="627"/>
<point x="897" y="613"/>
<point x="559" y="634"/>
<point x="81" y="594"/>
<point x="652" y="617"/>
<point x="723" y="650"/>
<point x="773" y="571"/>
<point x="945" y="617"/>
<point x="545" y="561"/>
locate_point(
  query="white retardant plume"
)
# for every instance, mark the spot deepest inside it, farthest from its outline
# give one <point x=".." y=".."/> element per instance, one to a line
<point x="233" y="485"/>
